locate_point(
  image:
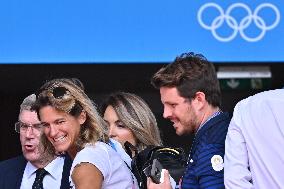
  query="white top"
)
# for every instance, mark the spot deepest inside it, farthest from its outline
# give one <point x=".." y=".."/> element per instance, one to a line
<point x="120" y="150"/>
<point x="51" y="180"/>
<point x="114" y="170"/>
<point x="125" y="157"/>
<point x="254" y="155"/>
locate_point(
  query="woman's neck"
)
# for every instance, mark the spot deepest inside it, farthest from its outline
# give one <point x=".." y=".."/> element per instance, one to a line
<point x="72" y="152"/>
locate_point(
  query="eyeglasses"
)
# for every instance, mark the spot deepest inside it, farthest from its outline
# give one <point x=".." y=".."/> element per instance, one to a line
<point x="21" y="127"/>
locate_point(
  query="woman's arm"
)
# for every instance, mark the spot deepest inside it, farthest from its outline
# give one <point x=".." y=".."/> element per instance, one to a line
<point x="87" y="176"/>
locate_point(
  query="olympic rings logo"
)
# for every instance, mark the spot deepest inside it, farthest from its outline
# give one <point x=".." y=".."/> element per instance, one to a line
<point x="242" y="25"/>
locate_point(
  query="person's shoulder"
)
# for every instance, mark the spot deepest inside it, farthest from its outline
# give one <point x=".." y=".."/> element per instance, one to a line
<point x="222" y="121"/>
<point x="13" y="163"/>
<point x="219" y="123"/>
<point x="265" y="96"/>
<point x="98" y="146"/>
<point x="217" y="131"/>
<point x="276" y="93"/>
<point x="99" y="149"/>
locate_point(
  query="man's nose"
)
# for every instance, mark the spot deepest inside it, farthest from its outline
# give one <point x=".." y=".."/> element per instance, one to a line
<point x="167" y="112"/>
<point x="29" y="132"/>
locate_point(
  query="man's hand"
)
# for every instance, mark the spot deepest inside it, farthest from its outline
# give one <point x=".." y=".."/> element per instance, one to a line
<point x="163" y="185"/>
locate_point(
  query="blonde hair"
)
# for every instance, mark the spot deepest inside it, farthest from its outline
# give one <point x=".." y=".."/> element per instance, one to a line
<point x="136" y="115"/>
<point x="65" y="95"/>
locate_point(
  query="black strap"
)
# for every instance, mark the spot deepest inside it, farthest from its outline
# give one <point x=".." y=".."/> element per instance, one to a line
<point x="129" y="148"/>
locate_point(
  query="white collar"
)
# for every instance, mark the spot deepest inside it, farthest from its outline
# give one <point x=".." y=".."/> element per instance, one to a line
<point x="51" y="168"/>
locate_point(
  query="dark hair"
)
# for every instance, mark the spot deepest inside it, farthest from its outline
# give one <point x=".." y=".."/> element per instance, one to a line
<point x="190" y="73"/>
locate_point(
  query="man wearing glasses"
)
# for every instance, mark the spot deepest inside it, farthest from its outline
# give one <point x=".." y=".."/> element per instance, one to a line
<point x="36" y="168"/>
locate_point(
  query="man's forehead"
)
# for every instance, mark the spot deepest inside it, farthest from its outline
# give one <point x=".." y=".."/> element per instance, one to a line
<point x="28" y="116"/>
<point x="170" y="95"/>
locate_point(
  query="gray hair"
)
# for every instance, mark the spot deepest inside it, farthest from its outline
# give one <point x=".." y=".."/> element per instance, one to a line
<point x="28" y="103"/>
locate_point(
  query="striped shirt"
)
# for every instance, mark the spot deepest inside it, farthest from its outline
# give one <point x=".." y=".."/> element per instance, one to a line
<point x="205" y="166"/>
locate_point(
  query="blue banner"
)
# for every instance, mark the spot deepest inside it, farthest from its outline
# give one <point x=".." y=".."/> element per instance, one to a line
<point x="141" y="31"/>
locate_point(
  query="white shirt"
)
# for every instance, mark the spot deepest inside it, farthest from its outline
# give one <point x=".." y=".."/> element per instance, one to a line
<point x="114" y="170"/>
<point x="51" y="180"/>
<point x="122" y="153"/>
<point x="254" y="147"/>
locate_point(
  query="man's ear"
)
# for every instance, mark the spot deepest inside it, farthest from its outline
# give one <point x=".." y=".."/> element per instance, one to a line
<point x="82" y="117"/>
<point x="199" y="100"/>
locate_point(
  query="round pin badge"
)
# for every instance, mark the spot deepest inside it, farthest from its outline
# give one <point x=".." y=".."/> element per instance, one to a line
<point x="217" y="163"/>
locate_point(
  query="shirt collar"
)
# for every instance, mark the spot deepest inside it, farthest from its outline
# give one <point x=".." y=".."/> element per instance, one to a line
<point x="30" y="169"/>
<point x="212" y="116"/>
<point x="51" y="168"/>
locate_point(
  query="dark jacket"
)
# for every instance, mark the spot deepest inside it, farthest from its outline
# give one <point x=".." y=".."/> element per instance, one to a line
<point x="12" y="170"/>
<point x="205" y="167"/>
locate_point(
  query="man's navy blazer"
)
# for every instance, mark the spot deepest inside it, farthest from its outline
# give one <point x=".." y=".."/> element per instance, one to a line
<point x="12" y="170"/>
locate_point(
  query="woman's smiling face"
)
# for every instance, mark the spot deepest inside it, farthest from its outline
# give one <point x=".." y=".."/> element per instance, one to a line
<point x="61" y="128"/>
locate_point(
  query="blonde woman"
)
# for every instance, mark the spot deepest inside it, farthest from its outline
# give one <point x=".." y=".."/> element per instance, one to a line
<point x="130" y="119"/>
<point x="72" y="125"/>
